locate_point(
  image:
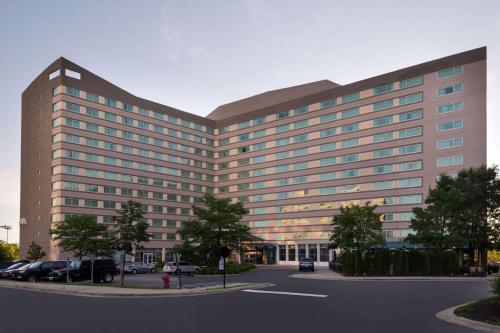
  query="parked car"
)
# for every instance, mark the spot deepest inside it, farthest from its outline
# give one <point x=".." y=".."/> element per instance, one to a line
<point x="7" y="274"/>
<point x="39" y="270"/>
<point x="139" y="267"/>
<point x="306" y="264"/>
<point x="184" y="267"/>
<point x="5" y="264"/>
<point x="80" y="270"/>
<point x="11" y="267"/>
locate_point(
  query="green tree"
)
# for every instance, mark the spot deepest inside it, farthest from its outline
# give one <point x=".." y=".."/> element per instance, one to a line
<point x="217" y="223"/>
<point x="9" y="252"/>
<point x="432" y="225"/>
<point x="357" y="228"/>
<point x="130" y="231"/>
<point x="35" y="252"/>
<point x="83" y="236"/>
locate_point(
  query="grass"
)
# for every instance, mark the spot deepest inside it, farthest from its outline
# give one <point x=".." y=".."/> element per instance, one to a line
<point x="486" y="310"/>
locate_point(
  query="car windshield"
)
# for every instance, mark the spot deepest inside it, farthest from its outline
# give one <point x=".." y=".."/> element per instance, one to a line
<point x="75" y="264"/>
<point x="35" y="264"/>
<point x="16" y="265"/>
<point x="307" y="260"/>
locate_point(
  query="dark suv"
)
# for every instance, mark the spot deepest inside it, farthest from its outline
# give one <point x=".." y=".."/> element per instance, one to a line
<point x="37" y="271"/>
<point x="80" y="270"/>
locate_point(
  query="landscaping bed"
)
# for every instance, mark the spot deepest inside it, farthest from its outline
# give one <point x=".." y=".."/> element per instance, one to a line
<point x="230" y="269"/>
<point x="486" y="310"/>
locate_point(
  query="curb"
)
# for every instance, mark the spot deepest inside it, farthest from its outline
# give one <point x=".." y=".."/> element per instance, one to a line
<point x="217" y="289"/>
<point x="449" y="316"/>
<point x="409" y="279"/>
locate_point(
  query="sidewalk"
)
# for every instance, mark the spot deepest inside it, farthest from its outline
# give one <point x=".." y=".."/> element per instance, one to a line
<point x="100" y="290"/>
<point x="327" y="274"/>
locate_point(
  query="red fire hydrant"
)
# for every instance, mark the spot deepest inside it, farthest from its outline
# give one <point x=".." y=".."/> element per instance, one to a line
<point x="166" y="281"/>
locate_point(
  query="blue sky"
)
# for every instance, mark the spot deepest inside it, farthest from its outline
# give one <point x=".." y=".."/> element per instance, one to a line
<point x="196" y="55"/>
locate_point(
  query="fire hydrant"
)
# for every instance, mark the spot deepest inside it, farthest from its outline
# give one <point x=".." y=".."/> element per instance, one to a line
<point x="166" y="281"/>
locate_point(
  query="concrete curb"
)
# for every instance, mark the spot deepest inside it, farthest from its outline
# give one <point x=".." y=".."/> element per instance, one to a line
<point x="116" y="292"/>
<point x="449" y="316"/>
<point x="338" y="277"/>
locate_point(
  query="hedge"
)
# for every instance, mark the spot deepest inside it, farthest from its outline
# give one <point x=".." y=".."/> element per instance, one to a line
<point x="400" y="263"/>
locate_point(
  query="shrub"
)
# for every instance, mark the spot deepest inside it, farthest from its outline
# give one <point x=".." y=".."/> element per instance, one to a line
<point x="405" y="265"/>
<point x="495" y="286"/>
<point x="159" y="265"/>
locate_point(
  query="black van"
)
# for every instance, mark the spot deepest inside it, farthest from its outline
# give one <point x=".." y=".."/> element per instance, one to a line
<point x="80" y="270"/>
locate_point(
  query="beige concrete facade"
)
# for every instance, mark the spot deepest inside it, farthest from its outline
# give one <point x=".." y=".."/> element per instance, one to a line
<point x="293" y="156"/>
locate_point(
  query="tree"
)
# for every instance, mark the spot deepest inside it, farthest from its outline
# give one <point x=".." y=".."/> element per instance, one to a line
<point x="35" y="252"/>
<point x="83" y="236"/>
<point x="432" y="225"/>
<point x="216" y="224"/>
<point x="357" y="228"/>
<point x="130" y="231"/>
<point x="8" y="252"/>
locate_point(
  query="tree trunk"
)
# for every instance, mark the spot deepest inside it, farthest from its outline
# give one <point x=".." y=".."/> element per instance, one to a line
<point x="122" y="268"/>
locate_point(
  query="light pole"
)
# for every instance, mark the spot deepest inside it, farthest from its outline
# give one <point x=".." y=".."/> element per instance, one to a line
<point x="7" y="228"/>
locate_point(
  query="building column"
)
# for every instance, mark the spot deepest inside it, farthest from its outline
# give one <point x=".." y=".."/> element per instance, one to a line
<point x="286" y="252"/>
<point x="163" y="254"/>
<point x="318" y="254"/>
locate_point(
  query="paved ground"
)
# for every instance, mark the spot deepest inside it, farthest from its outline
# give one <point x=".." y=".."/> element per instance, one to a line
<point x="350" y="306"/>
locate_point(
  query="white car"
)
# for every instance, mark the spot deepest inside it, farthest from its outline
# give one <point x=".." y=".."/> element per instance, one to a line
<point x="184" y="267"/>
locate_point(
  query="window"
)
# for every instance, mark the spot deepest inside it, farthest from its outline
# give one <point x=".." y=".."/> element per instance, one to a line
<point x="259" y="121"/>
<point x="92" y="97"/>
<point x="281" y="142"/>
<point x="350" y="158"/>
<point x="110" y="102"/>
<point x="410" y="115"/>
<point x="409" y="132"/>
<point x="244" y="149"/>
<point x="449" y="90"/>
<point x="279" y="156"/>
<point x="327" y="176"/>
<point x="350" y="173"/>
<point x="261" y="159"/>
<point x="452" y="107"/>
<point x="415" y="81"/>
<point x="407" y="166"/>
<point x="382" y="153"/>
<point x="301" y="124"/>
<point x="300" y="165"/>
<point x="350" y="113"/>
<point x="72" y="123"/>
<point x="73" y="92"/>
<point x="350" y="188"/>
<point x="301" y="138"/>
<point x="350" y="128"/>
<point x="127" y="121"/>
<point x="452" y="71"/>
<point x="259" y="134"/>
<point x="283" y="115"/>
<point x="410" y="182"/>
<point x="410" y="149"/>
<point x="381" y="169"/>
<point x="327" y="132"/>
<point x="382" y="121"/>
<point x="327" y="190"/>
<point x="71" y="202"/>
<point x="243" y="162"/>
<point x="382" y="105"/>
<point x="383" y="185"/>
<point x="328" y="103"/>
<point x="349" y="143"/>
<point x="449" y="125"/>
<point x="283" y="128"/>
<point x="408" y="99"/>
<point x="301" y="110"/>
<point x="327" y="147"/>
<point x="259" y="185"/>
<point x="281" y="168"/>
<point x="92" y="127"/>
<point x="327" y="161"/>
<point x="449" y="143"/>
<point x="350" y="98"/>
<point x="244" y="124"/>
<point x="72" y="107"/>
<point x="90" y="203"/>
<point x="410" y="199"/>
<point x="451" y="160"/>
<point x="382" y="137"/>
<point x="327" y="118"/>
<point x="382" y="89"/>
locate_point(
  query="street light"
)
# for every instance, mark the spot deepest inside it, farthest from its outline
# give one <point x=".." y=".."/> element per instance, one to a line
<point x="7" y="228"/>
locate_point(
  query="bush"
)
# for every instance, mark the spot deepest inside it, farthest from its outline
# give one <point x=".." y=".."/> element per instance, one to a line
<point x="230" y="269"/>
<point x="495" y="286"/>
<point x="159" y="265"/>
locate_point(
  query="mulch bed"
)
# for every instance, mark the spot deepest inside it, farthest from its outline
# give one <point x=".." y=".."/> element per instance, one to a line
<point x="486" y="310"/>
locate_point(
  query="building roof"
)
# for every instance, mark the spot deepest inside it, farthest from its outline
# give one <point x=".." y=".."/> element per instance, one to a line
<point x="269" y="98"/>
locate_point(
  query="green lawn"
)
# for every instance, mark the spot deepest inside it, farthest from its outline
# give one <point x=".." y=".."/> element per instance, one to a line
<point x="486" y="310"/>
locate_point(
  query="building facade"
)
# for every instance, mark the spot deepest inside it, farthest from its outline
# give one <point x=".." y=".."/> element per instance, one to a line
<point x="293" y="156"/>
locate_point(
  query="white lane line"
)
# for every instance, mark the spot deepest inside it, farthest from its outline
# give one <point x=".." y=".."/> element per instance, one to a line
<point x="281" y="293"/>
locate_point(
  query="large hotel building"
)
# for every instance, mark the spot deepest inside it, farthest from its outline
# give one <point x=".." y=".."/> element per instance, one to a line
<point x="292" y="155"/>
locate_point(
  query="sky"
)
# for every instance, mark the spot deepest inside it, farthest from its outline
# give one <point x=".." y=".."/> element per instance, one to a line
<point x="196" y="55"/>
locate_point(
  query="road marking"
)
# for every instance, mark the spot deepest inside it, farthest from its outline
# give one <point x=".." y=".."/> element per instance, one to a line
<point x="282" y="293"/>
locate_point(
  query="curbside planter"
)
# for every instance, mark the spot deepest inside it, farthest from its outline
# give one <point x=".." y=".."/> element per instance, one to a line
<point x="449" y="316"/>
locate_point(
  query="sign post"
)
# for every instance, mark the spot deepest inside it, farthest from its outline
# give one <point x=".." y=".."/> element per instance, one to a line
<point x="224" y="253"/>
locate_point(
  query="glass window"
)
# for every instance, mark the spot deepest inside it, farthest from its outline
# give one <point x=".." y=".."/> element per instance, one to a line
<point x="350" y="113"/>
<point x="382" y="121"/>
<point x="327" y="161"/>
<point x="327" y="147"/>
<point x="383" y="185"/>
<point x="283" y="115"/>
<point x="327" y="176"/>
<point x="283" y="128"/>
<point x="350" y="128"/>
<point x="301" y="138"/>
<point x="383" y="89"/>
<point x="92" y="97"/>
<point x="415" y="165"/>
<point x="449" y="90"/>
<point x="301" y="110"/>
<point x="327" y="118"/>
<point x="328" y="103"/>
<point x="382" y="137"/>
<point x="380" y="169"/>
<point x="445" y="108"/>
<point x="351" y="97"/>
<point x="410" y="115"/>
<point x="350" y="143"/>
<point x="244" y="124"/>
<point x="452" y="71"/>
<point x="410" y="199"/>
<point x="450" y="160"/>
<point x="259" y="134"/>
<point x="410" y="182"/>
<point x="415" y="81"/>
<point x="408" y="99"/>
<point x="327" y="132"/>
<point x="327" y="190"/>
<point x="350" y="173"/>
<point x="410" y="149"/>
<point x="350" y="158"/>
<point x="301" y="124"/>
<point x="409" y="132"/>
<point x="382" y="105"/>
<point x="449" y="143"/>
<point x="259" y="121"/>
<point x="281" y="142"/>
<point x="449" y="125"/>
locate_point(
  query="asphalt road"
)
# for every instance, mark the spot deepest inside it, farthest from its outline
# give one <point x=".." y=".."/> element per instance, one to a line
<point x="357" y="307"/>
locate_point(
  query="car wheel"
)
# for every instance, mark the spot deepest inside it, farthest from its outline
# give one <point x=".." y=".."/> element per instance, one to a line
<point x="108" y="278"/>
<point x="32" y="278"/>
<point x="134" y="271"/>
<point x="153" y="270"/>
